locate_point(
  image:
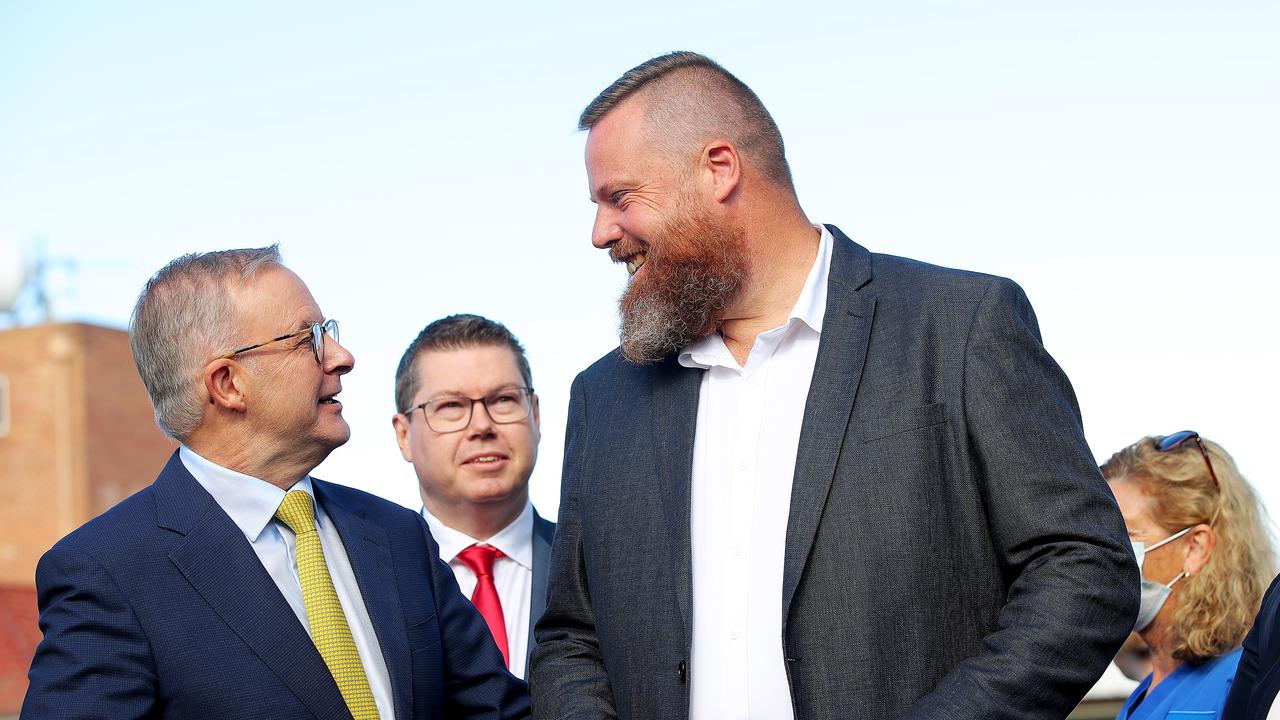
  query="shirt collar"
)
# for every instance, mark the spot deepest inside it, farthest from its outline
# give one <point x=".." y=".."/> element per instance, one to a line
<point x="515" y="540"/>
<point x="809" y="308"/>
<point x="250" y="502"/>
<point x="812" y="303"/>
<point x="707" y="352"/>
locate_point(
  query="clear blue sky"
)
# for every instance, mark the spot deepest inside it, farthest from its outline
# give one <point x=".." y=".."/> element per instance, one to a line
<point x="1120" y="160"/>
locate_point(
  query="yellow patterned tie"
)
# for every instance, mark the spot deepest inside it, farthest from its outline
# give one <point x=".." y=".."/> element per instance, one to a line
<point x="329" y="629"/>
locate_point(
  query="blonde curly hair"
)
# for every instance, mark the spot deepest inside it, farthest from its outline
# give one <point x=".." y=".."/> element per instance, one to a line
<point x="1216" y="607"/>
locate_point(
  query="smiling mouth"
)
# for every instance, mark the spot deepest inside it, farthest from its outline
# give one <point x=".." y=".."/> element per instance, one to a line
<point x="485" y="459"/>
<point x="329" y="399"/>
<point x="635" y="262"/>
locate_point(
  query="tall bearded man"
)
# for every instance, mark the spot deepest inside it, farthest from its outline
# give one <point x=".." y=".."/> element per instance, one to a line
<point x="814" y="481"/>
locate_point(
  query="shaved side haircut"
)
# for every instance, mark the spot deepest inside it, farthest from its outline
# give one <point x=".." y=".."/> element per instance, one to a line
<point x="688" y="98"/>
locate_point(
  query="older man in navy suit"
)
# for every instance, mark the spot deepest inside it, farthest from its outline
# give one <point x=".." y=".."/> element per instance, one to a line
<point x="814" y="481"/>
<point x="467" y="418"/>
<point x="237" y="585"/>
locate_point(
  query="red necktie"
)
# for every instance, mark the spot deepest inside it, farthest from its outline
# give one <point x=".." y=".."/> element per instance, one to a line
<point x="479" y="558"/>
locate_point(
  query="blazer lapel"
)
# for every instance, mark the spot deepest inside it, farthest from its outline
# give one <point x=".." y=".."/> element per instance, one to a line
<point x="674" y="419"/>
<point x="220" y="564"/>
<point x="370" y="555"/>
<point x="842" y="350"/>
<point x="543" y="534"/>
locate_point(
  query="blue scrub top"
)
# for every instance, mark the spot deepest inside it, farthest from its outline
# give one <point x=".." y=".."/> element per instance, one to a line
<point x="1190" y="692"/>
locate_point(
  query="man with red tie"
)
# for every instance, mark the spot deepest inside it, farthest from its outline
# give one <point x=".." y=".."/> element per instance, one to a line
<point x="468" y="421"/>
<point x="237" y="585"/>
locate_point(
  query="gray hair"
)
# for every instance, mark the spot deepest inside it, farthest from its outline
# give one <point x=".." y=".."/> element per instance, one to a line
<point x="184" y="318"/>
<point x="687" y="98"/>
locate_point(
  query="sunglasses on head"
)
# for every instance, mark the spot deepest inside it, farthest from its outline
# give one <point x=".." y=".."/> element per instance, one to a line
<point x="1178" y="439"/>
<point x="1167" y="443"/>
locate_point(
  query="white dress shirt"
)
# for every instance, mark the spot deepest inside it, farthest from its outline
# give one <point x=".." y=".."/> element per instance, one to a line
<point x="251" y="503"/>
<point x="512" y="575"/>
<point x="744" y="457"/>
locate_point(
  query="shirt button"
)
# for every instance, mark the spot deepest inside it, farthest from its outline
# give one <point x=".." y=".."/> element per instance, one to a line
<point x="733" y="634"/>
<point x="744" y="464"/>
<point x="737" y="549"/>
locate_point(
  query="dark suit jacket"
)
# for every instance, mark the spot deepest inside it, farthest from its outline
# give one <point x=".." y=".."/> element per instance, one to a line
<point x="544" y="531"/>
<point x="1258" y="677"/>
<point x="951" y="552"/>
<point x="160" y="608"/>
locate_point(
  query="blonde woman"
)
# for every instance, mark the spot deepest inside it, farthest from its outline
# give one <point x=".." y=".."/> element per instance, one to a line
<point x="1206" y="558"/>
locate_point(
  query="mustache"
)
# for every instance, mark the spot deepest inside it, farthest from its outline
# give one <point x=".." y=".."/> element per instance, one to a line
<point x="619" y="252"/>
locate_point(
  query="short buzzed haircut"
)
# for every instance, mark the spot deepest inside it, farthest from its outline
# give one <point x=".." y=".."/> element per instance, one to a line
<point x="688" y="97"/>
<point x="454" y="332"/>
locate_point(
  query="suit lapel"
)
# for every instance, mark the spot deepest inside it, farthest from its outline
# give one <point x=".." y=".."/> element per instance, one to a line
<point x="842" y="350"/>
<point x="370" y="555"/>
<point x="674" y="420"/>
<point x="543" y="533"/>
<point x="222" y="567"/>
<point x="1267" y="626"/>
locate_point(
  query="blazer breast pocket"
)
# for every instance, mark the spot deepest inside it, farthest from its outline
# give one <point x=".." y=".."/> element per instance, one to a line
<point x="1191" y="715"/>
<point x="424" y="635"/>
<point x="902" y="421"/>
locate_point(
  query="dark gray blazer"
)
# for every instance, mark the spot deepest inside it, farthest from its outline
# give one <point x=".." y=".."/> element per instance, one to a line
<point x="952" y="550"/>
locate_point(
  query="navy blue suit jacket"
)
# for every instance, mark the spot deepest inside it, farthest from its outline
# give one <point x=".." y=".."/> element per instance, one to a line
<point x="544" y="532"/>
<point x="1258" y="677"/>
<point x="159" y="608"/>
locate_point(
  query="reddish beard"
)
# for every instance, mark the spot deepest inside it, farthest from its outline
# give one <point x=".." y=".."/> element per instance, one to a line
<point x="691" y="273"/>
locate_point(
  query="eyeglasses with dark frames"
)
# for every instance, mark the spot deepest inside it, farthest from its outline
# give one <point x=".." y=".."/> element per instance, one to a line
<point x="317" y="329"/>
<point x="1169" y="443"/>
<point x="451" y="413"/>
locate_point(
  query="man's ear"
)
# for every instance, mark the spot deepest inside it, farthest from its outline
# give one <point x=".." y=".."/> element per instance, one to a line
<point x="400" y="422"/>
<point x="1200" y="544"/>
<point x="222" y="382"/>
<point x="723" y="166"/>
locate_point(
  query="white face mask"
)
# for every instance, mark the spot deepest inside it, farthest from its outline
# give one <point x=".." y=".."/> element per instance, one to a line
<point x="1154" y="594"/>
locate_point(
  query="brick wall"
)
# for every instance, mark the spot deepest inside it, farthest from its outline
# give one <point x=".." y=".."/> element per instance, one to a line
<point x="80" y="438"/>
<point x="19" y="635"/>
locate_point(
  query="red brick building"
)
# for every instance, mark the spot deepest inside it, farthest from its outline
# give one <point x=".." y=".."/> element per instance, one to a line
<point x="76" y="437"/>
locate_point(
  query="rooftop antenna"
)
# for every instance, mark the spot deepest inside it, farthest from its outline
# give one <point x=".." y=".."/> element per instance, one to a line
<point x="25" y="297"/>
<point x="13" y="272"/>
